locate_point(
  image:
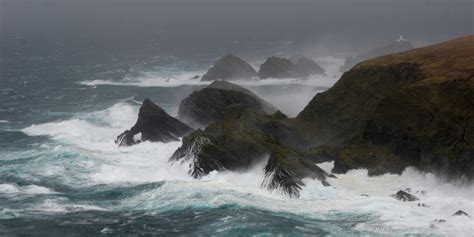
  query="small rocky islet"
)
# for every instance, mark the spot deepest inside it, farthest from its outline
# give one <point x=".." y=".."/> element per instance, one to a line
<point x="409" y="109"/>
<point x="233" y="68"/>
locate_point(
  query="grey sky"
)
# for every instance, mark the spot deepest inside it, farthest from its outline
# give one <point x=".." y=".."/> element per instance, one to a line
<point x="340" y="24"/>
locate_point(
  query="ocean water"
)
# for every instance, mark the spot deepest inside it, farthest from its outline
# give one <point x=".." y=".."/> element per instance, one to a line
<point x="61" y="174"/>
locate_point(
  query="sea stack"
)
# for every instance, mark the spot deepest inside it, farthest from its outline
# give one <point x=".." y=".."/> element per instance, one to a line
<point x="230" y="67"/>
<point x="155" y="125"/>
<point x="276" y="67"/>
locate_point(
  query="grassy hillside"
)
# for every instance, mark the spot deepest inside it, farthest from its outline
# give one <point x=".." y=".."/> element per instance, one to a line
<point x="416" y="107"/>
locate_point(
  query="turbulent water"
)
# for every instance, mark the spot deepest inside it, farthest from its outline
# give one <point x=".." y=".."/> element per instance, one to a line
<point x="62" y="174"/>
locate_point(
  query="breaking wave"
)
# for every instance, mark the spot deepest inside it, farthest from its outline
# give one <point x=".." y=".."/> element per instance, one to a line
<point x="82" y="154"/>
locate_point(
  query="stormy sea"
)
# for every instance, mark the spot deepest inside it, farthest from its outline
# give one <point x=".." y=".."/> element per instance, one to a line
<point x="65" y="98"/>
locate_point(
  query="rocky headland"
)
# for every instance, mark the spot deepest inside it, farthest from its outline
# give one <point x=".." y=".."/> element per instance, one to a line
<point x="410" y="109"/>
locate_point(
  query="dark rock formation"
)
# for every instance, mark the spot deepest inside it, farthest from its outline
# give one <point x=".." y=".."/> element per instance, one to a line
<point x="413" y="108"/>
<point x="307" y="67"/>
<point x="209" y="104"/>
<point x="276" y="67"/>
<point x="230" y="67"/>
<point x="461" y="213"/>
<point x="237" y="141"/>
<point x="155" y="125"/>
<point x="225" y="85"/>
<point x="404" y="196"/>
<point x="399" y="45"/>
<point x="410" y="109"/>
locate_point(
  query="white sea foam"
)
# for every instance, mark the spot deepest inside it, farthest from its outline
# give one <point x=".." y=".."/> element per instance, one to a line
<point x="92" y="136"/>
<point x="155" y="79"/>
<point x="6" y="188"/>
<point x="151" y="79"/>
<point x="61" y="205"/>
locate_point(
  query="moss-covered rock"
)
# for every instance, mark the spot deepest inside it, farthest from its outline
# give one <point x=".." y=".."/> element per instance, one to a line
<point x="414" y="108"/>
<point x="238" y="141"/>
<point x="209" y="104"/>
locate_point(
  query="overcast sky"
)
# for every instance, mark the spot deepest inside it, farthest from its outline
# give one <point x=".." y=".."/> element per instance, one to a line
<point x="336" y="23"/>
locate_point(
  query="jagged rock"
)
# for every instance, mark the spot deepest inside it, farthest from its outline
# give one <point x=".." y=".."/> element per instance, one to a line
<point x="237" y="141"/>
<point x="230" y="67"/>
<point x="461" y="213"/>
<point x="155" y="125"/>
<point x="404" y="196"/>
<point x="395" y="46"/>
<point x="276" y="67"/>
<point x="307" y="67"/>
<point x="195" y="77"/>
<point x="285" y="172"/>
<point x="209" y="104"/>
<point x="407" y="109"/>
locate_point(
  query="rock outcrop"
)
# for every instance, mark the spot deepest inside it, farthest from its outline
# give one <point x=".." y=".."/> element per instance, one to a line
<point x="414" y="108"/>
<point x="209" y="104"/>
<point x="461" y="213"/>
<point x="307" y="67"/>
<point x="155" y="125"/>
<point x="276" y="67"/>
<point x="410" y="109"/>
<point x="405" y="197"/>
<point x="230" y="67"/>
<point x="399" y="45"/>
<point x="239" y="140"/>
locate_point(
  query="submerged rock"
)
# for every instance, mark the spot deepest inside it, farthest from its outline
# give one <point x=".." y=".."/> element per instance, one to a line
<point x="404" y="196"/>
<point x="461" y="213"/>
<point x="155" y="125"/>
<point x="230" y="67"/>
<point x="210" y="104"/>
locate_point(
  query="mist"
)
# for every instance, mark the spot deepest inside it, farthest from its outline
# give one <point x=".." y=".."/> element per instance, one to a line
<point x="183" y="26"/>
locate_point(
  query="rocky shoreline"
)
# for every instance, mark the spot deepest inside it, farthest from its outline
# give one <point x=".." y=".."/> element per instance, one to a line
<point x="409" y="109"/>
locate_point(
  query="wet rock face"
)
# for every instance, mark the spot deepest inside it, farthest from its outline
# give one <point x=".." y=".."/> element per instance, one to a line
<point x="155" y="125"/>
<point x="237" y="141"/>
<point x="285" y="171"/>
<point x="405" y="197"/>
<point x="210" y="104"/>
<point x="276" y="67"/>
<point x="409" y="109"/>
<point x="461" y="213"/>
<point x="230" y="67"/>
